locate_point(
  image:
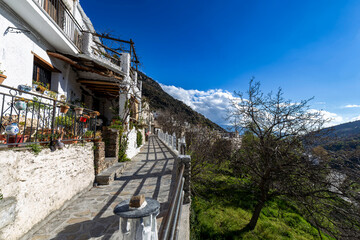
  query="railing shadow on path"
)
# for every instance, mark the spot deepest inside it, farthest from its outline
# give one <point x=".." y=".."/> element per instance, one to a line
<point x="105" y="227"/>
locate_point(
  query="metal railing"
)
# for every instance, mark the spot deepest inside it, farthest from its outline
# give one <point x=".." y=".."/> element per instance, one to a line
<point x="171" y="220"/>
<point x="62" y="16"/>
<point x="27" y="118"/>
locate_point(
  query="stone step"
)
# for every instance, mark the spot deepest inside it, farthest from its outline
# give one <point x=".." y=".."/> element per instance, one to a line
<point x="109" y="174"/>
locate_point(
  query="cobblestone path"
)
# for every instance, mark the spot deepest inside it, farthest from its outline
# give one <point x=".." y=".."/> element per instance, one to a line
<point x="151" y="172"/>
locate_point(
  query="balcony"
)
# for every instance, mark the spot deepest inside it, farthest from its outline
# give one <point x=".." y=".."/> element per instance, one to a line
<point x="58" y="11"/>
<point x="27" y="118"/>
<point x="53" y="21"/>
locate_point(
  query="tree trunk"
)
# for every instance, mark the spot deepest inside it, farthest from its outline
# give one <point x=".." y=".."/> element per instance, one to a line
<point x="251" y="225"/>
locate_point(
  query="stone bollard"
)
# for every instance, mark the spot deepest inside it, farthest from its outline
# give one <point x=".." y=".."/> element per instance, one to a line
<point x="186" y="160"/>
<point x="138" y="223"/>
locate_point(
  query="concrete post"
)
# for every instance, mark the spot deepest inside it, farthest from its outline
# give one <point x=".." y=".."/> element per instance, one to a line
<point x="186" y="160"/>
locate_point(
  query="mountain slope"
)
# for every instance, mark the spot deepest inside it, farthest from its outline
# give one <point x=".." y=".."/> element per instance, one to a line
<point x="160" y="100"/>
<point x="346" y="130"/>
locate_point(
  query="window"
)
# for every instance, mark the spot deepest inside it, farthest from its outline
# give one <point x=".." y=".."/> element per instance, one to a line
<point x="42" y="75"/>
<point x="42" y="71"/>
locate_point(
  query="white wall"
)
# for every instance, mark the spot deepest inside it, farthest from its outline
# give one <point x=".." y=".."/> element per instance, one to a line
<point x="42" y="184"/>
<point x="132" y="149"/>
<point x="17" y="58"/>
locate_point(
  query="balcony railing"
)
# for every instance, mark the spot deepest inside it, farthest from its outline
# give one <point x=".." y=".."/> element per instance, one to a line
<point x="27" y="118"/>
<point x="58" y="11"/>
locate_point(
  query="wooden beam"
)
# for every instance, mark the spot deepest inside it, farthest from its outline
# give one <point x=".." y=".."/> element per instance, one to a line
<point x="44" y="63"/>
<point x="98" y="82"/>
<point x="80" y="67"/>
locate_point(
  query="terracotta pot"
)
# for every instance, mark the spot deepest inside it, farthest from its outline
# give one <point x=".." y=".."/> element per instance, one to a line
<point x="2" y="139"/>
<point x="70" y="141"/>
<point x="64" y="108"/>
<point x="2" y="78"/>
<point x="97" y="140"/>
<point x="94" y="114"/>
<point x="17" y="139"/>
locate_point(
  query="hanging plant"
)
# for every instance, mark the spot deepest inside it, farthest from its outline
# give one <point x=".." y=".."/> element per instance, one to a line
<point x="64" y="108"/>
<point x="79" y="110"/>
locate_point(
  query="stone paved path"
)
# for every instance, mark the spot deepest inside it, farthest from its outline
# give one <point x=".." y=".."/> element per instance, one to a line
<point x="151" y="172"/>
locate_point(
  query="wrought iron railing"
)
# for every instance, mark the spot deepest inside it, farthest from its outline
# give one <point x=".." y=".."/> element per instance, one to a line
<point x="62" y="16"/>
<point x="26" y="118"/>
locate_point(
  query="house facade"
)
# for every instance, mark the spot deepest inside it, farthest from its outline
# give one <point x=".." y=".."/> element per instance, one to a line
<point x="52" y="58"/>
<point x="52" y="43"/>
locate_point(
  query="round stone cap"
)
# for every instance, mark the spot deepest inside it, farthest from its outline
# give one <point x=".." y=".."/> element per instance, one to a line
<point x="123" y="210"/>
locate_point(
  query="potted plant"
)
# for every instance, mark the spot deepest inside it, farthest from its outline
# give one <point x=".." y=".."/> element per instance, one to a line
<point x="16" y="139"/>
<point x="88" y="134"/>
<point x="83" y="119"/>
<point x="94" y="114"/>
<point x="79" y="110"/>
<point x="2" y="76"/>
<point x="24" y="88"/>
<point x="20" y="104"/>
<point x="98" y="137"/>
<point x="64" y="107"/>
<point x="40" y="87"/>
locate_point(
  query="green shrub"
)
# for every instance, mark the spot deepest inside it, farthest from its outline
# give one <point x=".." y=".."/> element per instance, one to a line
<point x="123" y="143"/>
<point x="36" y="148"/>
<point x="139" y="138"/>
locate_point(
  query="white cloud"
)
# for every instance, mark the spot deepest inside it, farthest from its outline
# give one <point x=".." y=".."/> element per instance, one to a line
<point x="333" y="118"/>
<point x="355" y="118"/>
<point x="352" y="106"/>
<point x="213" y="103"/>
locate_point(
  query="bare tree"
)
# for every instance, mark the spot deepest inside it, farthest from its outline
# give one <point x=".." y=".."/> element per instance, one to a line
<point x="277" y="162"/>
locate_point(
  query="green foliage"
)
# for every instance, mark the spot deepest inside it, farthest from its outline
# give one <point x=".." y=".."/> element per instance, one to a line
<point x="123" y="144"/>
<point x="117" y="125"/>
<point x="139" y="138"/>
<point x="37" y="106"/>
<point x="223" y="206"/>
<point x="66" y="121"/>
<point x="36" y="148"/>
<point x="1" y="195"/>
<point x="89" y="134"/>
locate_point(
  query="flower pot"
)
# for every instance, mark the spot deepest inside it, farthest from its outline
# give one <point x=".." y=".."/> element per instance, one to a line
<point x="24" y="88"/>
<point x="79" y="110"/>
<point x="12" y="129"/>
<point x="94" y="114"/>
<point x="2" y="78"/>
<point x="3" y="139"/>
<point x="16" y="139"/>
<point x="40" y="89"/>
<point x="95" y="140"/>
<point x="64" y="108"/>
<point x="82" y="119"/>
<point x="69" y="141"/>
<point x="20" y="105"/>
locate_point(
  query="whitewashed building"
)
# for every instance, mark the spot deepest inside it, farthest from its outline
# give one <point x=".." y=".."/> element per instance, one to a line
<point x="53" y="42"/>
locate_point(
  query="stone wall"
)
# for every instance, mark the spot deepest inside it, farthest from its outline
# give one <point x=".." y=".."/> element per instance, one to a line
<point x="111" y="139"/>
<point x="39" y="185"/>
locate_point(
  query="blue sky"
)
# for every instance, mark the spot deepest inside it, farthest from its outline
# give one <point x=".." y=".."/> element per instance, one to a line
<point x="201" y="51"/>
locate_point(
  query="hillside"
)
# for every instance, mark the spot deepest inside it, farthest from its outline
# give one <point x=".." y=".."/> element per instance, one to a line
<point x="160" y="100"/>
<point x="344" y="131"/>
